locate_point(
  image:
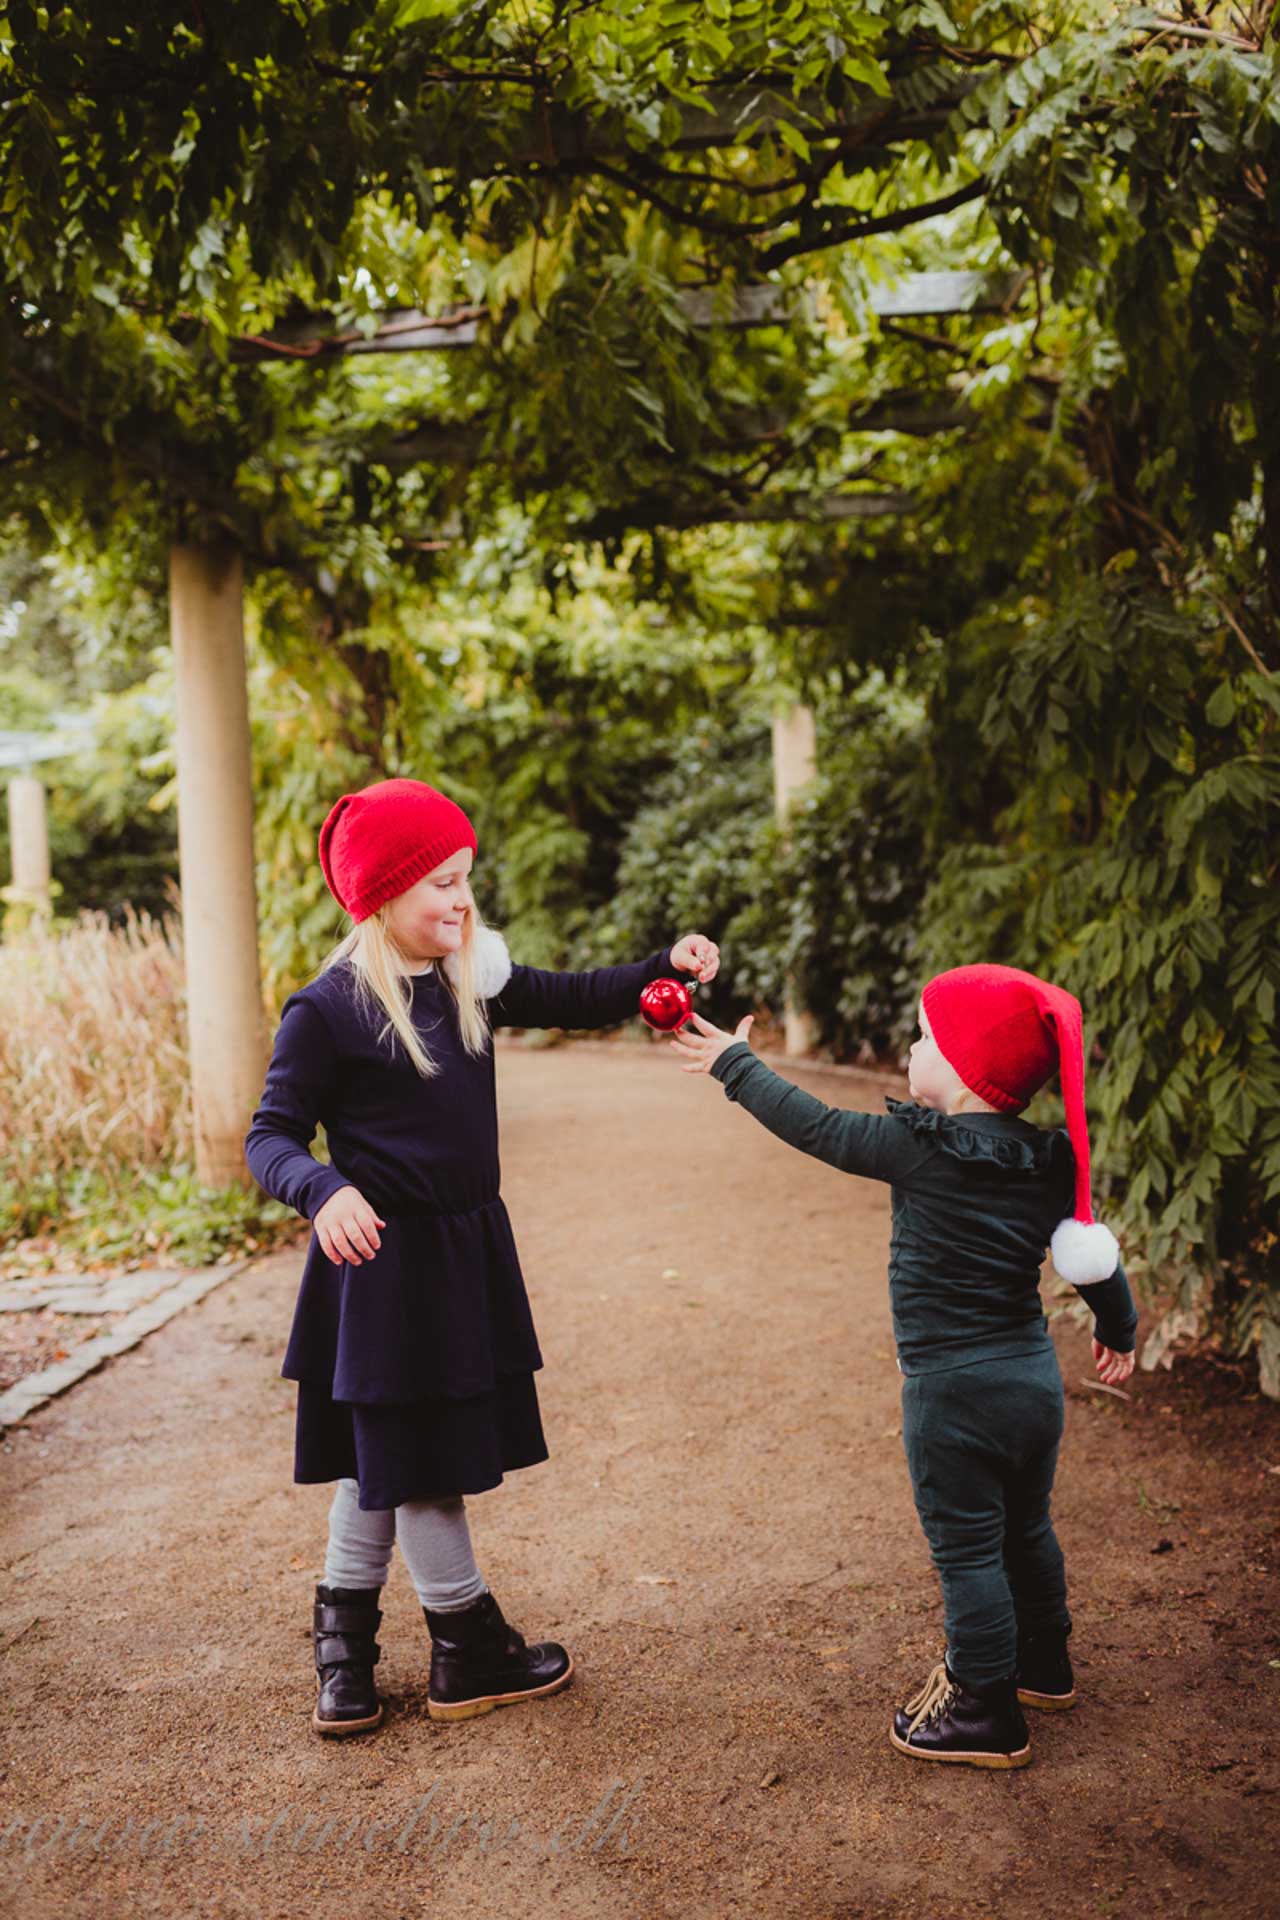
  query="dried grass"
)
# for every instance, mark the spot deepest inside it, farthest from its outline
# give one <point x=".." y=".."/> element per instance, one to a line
<point x="94" y="1071"/>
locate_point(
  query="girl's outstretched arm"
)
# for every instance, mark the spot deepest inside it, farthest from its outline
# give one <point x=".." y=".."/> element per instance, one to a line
<point x="864" y="1143"/>
<point x="601" y="997"/>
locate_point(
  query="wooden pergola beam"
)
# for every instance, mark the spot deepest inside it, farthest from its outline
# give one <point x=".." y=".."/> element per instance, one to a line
<point x="817" y="507"/>
<point x="769" y="101"/>
<point x="457" y="443"/>
<point x="313" y="336"/>
<point x="643" y="514"/>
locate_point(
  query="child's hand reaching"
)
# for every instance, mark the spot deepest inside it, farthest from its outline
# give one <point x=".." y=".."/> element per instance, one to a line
<point x="1112" y="1367"/>
<point x="347" y="1227"/>
<point x="700" y="1054"/>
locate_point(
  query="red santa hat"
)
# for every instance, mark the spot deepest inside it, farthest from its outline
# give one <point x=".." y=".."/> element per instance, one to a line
<point x="1006" y="1032"/>
<point x="376" y="843"/>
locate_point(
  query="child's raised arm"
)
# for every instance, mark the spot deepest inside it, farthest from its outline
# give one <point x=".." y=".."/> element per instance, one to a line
<point x="862" y="1143"/>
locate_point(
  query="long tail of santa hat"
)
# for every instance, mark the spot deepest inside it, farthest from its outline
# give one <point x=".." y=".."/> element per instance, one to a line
<point x="1082" y="1249"/>
<point x="1004" y="1031"/>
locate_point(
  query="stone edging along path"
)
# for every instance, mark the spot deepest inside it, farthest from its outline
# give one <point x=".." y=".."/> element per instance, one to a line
<point x="37" y="1388"/>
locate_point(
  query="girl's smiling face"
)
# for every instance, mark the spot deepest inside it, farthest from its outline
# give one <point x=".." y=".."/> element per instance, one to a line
<point x="428" y="920"/>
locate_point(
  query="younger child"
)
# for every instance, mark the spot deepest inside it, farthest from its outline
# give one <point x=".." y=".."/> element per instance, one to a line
<point x="412" y="1345"/>
<point x="977" y="1193"/>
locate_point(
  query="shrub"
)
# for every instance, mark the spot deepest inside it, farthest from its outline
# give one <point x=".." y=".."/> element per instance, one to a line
<point x="96" y="1138"/>
<point x="1137" y="867"/>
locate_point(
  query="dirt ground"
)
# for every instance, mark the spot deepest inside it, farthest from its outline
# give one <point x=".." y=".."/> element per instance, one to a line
<point x="723" y="1535"/>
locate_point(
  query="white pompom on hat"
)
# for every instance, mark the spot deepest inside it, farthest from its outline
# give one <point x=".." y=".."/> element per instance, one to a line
<point x="1005" y="1032"/>
<point x="490" y="959"/>
<point x="1084" y="1251"/>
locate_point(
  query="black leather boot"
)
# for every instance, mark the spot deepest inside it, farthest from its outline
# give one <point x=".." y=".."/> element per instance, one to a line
<point x="1045" y="1679"/>
<point x="478" y="1662"/>
<point x="949" y="1721"/>
<point x="344" y="1624"/>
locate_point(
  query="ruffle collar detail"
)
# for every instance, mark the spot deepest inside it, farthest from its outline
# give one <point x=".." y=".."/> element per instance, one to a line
<point x="955" y="1134"/>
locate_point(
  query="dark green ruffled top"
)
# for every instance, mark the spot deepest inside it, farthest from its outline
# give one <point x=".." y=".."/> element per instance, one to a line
<point x="975" y="1199"/>
<point x="1031" y="1151"/>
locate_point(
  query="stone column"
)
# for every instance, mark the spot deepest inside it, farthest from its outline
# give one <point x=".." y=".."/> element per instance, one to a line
<point x="226" y="1025"/>
<point x="794" y="767"/>
<point x="29" y="844"/>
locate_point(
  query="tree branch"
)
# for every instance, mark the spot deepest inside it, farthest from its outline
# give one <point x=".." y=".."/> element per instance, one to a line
<point x="815" y="507"/>
<point x="801" y="243"/>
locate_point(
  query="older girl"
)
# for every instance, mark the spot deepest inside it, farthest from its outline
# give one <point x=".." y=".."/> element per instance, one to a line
<point x="412" y="1344"/>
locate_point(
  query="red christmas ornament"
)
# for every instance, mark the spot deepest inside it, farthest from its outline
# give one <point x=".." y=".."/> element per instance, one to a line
<point x="666" y="1005"/>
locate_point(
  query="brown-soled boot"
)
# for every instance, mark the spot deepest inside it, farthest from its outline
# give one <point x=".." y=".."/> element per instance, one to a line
<point x="1045" y="1679"/>
<point x="478" y="1662"/>
<point x="948" y="1721"/>
<point x="344" y="1625"/>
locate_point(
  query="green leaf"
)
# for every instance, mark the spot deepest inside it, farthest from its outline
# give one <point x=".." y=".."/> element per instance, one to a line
<point x="411" y="11"/>
<point x="791" y="136"/>
<point x="715" y="37"/>
<point x="1221" y="708"/>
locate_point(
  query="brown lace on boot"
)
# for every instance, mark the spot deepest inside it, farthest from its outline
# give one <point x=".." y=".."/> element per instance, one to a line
<point x="946" y="1720"/>
<point x="933" y="1699"/>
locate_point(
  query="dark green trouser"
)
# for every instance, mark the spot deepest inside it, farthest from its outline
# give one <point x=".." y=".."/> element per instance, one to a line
<point x="982" y="1444"/>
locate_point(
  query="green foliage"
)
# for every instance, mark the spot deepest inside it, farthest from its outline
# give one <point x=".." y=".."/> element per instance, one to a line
<point x="81" y="641"/>
<point x="1140" y="159"/>
<point x="158" y="1215"/>
<point x="556" y="753"/>
<point x="546" y="713"/>
<point x="113" y="830"/>
<point x="1137" y="866"/>
<point x="109" y="804"/>
<point x="829" y="902"/>
<point x="853" y="880"/>
<point x="306" y="753"/>
<point x="1074" y="768"/>
<point x="693" y="860"/>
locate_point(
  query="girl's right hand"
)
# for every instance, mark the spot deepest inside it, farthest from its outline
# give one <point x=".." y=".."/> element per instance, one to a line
<point x="347" y="1227"/>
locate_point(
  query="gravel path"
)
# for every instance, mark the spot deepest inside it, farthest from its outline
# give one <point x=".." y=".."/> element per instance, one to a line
<point x="724" y="1535"/>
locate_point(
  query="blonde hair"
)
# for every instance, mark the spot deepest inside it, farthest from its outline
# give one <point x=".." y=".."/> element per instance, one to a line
<point x="382" y="980"/>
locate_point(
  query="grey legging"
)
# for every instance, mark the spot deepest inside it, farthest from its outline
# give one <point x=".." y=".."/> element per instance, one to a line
<point x="434" y="1539"/>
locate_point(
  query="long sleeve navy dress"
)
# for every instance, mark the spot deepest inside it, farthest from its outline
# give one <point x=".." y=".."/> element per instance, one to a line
<point x="415" y="1368"/>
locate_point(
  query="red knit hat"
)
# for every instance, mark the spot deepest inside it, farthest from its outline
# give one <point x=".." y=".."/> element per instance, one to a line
<point x="377" y="842"/>
<point x="1005" y="1032"/>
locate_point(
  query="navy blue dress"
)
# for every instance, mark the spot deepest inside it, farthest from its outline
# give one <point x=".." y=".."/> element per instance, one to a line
<point x="415" y="1368"/>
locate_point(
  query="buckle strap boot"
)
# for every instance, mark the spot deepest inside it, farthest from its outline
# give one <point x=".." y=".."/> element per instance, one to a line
<point x="345" y="1622"/>
<point x="973" y="1727"/>
<point x="479" y="1662"/>
<point x="1044" y="1676"/>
